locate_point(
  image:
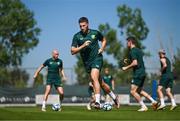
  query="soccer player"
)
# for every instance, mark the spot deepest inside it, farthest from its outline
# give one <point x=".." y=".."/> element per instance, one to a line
<point x="85" y="42"/>
<point x="166" y="81"/>
<point x="137" y="63"/>
<point x="55" y="68"/>
<point x="108" y="79"/>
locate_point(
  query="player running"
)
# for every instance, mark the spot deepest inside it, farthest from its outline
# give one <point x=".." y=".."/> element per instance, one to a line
<point x="137" y="63"/>
<point x="166" y="81"/>
<point x="85" y="42"/>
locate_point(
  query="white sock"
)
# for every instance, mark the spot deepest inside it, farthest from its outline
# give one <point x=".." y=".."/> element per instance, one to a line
<point x="162" y="101"/>
<point x="142" y="104"/>
<point x="113" y="96"/>
<point x="97" y="96"/>
<point x="44" y="104"/>
<point x="173" y="102"/>
<point x="152" y="100"/>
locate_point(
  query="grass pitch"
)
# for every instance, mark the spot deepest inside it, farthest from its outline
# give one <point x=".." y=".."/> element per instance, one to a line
<point x="81" y="113"/>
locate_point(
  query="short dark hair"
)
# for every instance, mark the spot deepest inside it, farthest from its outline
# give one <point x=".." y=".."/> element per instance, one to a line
<point x="132" y="39"/>
<point x="83" y="19"/>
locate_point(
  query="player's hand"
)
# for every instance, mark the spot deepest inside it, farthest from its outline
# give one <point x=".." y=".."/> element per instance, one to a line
<point x="124" y="68"/>
<point x="64" y="79"/>
<point x="87" y="43"/>
<point x="100" y="51"/>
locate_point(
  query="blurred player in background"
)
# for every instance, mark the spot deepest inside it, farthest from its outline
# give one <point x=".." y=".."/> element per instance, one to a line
<point x="108" y="79"/>
<point x="137" y="63"/>
<point x="85" y="42"/>
<point x="55" y="68"/>
<point x="166" y="81"/>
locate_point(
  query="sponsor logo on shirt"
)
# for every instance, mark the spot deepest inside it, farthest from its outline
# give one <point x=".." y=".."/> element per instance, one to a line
<point x="97" y="66"/>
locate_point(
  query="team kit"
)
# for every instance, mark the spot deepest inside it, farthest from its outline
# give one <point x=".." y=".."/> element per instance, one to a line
<point x="91" y="44"/>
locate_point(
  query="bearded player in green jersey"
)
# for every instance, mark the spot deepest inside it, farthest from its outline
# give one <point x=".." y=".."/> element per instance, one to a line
<point x="55" y="68"/>
<point x="85" y="42"/>
<point x="166" y="81"/>
<point x="137" y="63"/>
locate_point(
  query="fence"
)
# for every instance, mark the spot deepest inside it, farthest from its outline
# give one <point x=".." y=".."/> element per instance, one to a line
<point x="74" y="94"/>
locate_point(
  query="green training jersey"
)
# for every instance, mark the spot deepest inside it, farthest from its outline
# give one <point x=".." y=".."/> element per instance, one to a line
<point x="108" y="80"/>
<point x="89" y="53"/>
<point x="136" y="54"/>
<point x="53" y="68"/>
<point x="167" y="72"/>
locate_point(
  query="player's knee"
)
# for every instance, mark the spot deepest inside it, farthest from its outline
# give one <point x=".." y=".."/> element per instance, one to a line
<point x="61" y="92"/>
<point x="141" y="92"/>
<point x="132" y="92"/>
<point x="94" y="78"/>
<point x="159" y="90"/>
<point x="168" y="93"/>
<point x="103" y="85"/>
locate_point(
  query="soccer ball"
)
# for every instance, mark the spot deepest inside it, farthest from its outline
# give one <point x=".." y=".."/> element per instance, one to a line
<point x="56" y="107"/>
<point x="107" y="106"/>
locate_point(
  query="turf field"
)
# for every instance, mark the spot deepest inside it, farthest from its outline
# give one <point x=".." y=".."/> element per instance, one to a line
<point x="80" y="113"/>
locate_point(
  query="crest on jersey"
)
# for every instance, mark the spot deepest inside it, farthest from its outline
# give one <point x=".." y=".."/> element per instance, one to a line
<point x="58" y="63"/>
<point x="93" y="36"/>
<point x="81" y="38"/>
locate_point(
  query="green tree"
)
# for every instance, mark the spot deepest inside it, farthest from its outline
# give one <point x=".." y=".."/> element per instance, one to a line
<point x="18" y="34"/>
<point x="131" y="23"/>
<point x="13" y="77"/>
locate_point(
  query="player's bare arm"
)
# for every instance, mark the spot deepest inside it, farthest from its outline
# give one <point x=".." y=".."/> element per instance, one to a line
<point x="103" y="45"/>
<point x="164" y="65"/>
<point x="38" y="70"/>
<point x="134" y="63"/>
<point x="75" y="50"/>
<point x="63" y="74"/>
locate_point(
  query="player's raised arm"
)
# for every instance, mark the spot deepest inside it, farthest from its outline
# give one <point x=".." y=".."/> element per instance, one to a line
<point x="38" y="70"/>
